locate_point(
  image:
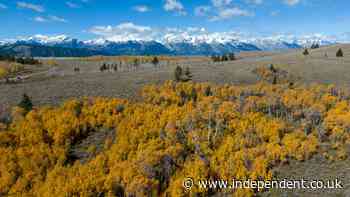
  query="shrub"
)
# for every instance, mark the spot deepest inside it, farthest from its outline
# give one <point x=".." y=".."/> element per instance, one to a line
<point x="52" y="62"/>
<point x="26" y="103"/>
<point x="306" y="52"/>
<point x="3" y="72"/>
<point x="215" y="58"/>
<point x="27" y="60"/>
<point x="16" y="67"/>
<point x="273" y="74"/>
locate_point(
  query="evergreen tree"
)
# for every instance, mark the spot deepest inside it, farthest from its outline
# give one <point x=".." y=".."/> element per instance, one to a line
<point x="315" y="46"/>
<point x="26" y="103"/>
<point x="232" y="56"/>
<point x="306" y="52"/>
<point x="272" y="68"/>
<point x="188" y="74"/>
<point x="178" y="74"/>
<point x="215" y="58"/>
<point x="194" y="95"/>
<point x="155" y="61"/>
<point x="224" y="58"/>
<point x="274" y="80"/>
<point x="136" y="62"/>
<point x="207" y="91"/>
<point x="340" y="53"/>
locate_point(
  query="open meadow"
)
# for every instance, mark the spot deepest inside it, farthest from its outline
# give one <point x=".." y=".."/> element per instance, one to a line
<point x="56" y="80"/>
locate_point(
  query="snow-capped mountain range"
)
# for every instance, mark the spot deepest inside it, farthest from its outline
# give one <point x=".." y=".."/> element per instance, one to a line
<point x="170" y="44"/>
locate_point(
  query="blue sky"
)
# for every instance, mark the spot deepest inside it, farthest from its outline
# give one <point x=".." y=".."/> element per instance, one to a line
<point x="89" y="19"/>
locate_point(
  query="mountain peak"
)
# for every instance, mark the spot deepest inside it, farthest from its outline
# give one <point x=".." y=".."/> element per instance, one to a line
<point x="173" y="44"/>
<point x="43" y="39"/>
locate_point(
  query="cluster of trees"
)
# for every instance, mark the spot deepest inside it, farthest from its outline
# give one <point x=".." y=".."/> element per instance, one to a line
<point x="108" y="67"/>
<point x="274" y="75"/>
<point x="224" y="58"/>
<point x="339" y="53"/>
<point x="130" y="64"/>
<point x="315" y="46"/>
<point x="20" y="60"/>
<point x="181" y="75"/>
<point x="175" y="130"/>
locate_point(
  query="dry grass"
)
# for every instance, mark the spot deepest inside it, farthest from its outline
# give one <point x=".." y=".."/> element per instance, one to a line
<point x="46" y="89"/>
<point x="4" y="65"/>
<point x="315" y="169"/>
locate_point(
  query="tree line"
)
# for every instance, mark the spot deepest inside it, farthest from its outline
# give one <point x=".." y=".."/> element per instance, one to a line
<point x="20" y="60"/>
<point x="224" y="58"/>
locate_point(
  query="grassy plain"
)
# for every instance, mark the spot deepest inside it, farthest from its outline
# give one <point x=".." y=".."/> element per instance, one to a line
<point x="53" y="84"/>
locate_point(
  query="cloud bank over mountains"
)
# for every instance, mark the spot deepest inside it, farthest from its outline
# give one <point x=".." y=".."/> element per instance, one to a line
<point x="130" y="31"/>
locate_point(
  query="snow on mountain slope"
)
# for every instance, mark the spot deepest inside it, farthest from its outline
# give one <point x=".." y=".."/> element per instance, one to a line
<point x="178" y="43"/>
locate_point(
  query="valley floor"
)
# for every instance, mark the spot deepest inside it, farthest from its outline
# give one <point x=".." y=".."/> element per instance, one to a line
<point x="45" y="88"/>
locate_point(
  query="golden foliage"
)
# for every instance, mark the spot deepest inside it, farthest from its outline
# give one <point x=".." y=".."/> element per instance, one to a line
<point x="3" y="72"/>
<point x="7" y="68"/>
<point x="178" y="130"/>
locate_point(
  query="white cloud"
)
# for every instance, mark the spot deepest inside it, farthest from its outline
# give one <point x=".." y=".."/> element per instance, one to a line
<point x="142" y="8"/>
<point x="130" y="31"/>
<point x="3" y="6"/>
<point x="229" y="13"/>
<point x="222" y="10"/>
<point x="256" y="2"/>
<point x="34" y="7"/>
<point x="221" y="3"/>
<point x="174" y="5"/>
<point x="50" y="18"/>
<point x="57" y="19"/>
<point x="72" y="5"/>
<point x="40" y="19"/>
<point x="292" y="2"/>
<point x="123" y="32"/>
